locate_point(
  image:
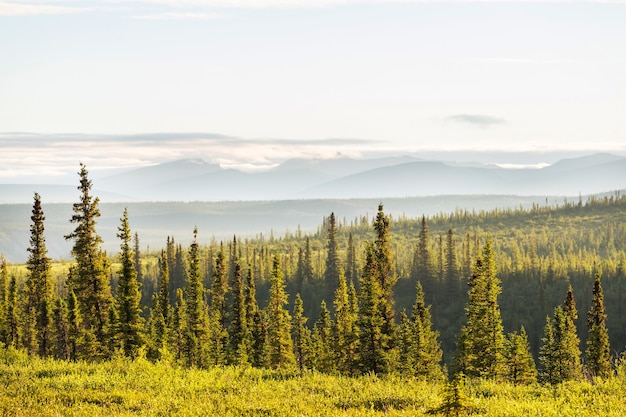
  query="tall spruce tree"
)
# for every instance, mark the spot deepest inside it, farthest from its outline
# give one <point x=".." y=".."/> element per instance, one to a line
<point x="426" y="351"/>
<point x="351" y="269"/>
<point x="481" y="342"/>
<point x="39" y="291"/>
<point x="129" y="329"/>
<point x="301" y="335"/>
<point x="279" y="321"/>
<point x="90" y="280"/>
<point x="387" y="278"/>
<point x="331" y="273"/>
<point x="12" y="316"/>
<point x="344" y="334"/>
<point x="238" y="329"/>
<point x="373" y="343"/>
<point x="598" y="351"/>
<point x="196" y="311"/>
<point x="321" y="348"/>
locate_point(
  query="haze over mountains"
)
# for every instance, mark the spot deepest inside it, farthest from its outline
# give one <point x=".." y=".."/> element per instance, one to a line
<point x="401" y="176"/>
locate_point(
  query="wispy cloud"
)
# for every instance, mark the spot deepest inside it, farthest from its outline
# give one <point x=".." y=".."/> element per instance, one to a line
<point x="32" y="9"/>
<point x="178" y="16"/>
<point x="477" y="120"/>
<point x="26" y="155"/>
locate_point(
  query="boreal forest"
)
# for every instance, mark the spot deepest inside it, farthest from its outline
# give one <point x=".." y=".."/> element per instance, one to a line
<point x="521" y="296"/>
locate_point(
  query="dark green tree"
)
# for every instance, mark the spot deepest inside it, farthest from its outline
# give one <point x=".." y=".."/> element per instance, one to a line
<point x="61" y="330"/>
<point x="12" y="316"/>
<point x="351" y="270"/>
<point x="129" y="328"/>
<point x="520" y="367"/>
<point x="75" y="334"/>
<point x="279" y="321"/>
<point x="239" y="337"/>
<point x="481" y="342"/>
<point x="331" y="273"/>
<point x="301" y="335"/>
<point x="39" y="291"/>
<point x="90" y="280"/>
<point x="321" y="349"/>
<point x="373" y="343"/>
<point x="426" y="350"/>
<point x="197" y="333"/>
<point x="598" y="347"/>
<point x="387" y="278"/>
<point x="344" y="329"/>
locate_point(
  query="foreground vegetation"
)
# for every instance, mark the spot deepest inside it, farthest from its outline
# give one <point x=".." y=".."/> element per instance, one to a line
<point x="123" y="387"/>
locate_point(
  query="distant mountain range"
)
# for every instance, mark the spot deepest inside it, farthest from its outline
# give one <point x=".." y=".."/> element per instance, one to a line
<point x="391" y="177"/>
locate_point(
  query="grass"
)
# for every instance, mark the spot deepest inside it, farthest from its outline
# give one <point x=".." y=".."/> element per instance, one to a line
<point x="45" y="387"/>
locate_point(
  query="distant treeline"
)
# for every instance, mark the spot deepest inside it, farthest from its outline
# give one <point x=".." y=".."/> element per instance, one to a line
<point x="416" y="296"/>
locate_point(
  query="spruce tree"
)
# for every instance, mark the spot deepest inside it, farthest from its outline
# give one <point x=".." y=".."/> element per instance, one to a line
<point x="426" y="351"/>
<point x="481" y="343"/>
<point x="279" y="321"/>
<point x="196" y="311"/>
<point x="520" y="367"/>
<point x="322" y="357"/>
<point x="39" y="291"/>
<point x="61" y="327"/>
<point x="179" y="328"/>
<point x="331" y="274"/>
<point x="129" y="328"/>
<point x="387" y="278"/>
<point x="238" y="329"/>
<point x="12" y="316"/>
<point x="4" y="298"/>
<point x="598" y="348"/>
<point x="301" y="335"/>
<point x="373" y="343"/>
<point x="344" y="336"/>
<point x="351" y="261"/>
<point x="90" y="281"/>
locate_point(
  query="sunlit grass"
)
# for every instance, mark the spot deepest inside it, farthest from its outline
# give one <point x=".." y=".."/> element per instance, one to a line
<point x="45" y="387"/>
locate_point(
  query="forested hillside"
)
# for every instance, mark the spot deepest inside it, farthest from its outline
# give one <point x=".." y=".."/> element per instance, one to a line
<point x="384" y="294"/>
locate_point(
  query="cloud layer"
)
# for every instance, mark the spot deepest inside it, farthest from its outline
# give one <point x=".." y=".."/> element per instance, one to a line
<point x="477" y="120"/>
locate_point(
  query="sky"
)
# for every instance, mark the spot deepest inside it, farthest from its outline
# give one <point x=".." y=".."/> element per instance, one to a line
<point x="248" y="83"/>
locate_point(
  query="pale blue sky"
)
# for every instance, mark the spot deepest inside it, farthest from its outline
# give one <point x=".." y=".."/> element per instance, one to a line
<point x="406" y="75"/>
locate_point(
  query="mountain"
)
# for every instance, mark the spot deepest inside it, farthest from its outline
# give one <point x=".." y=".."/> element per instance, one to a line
<point x="402" y="176"/>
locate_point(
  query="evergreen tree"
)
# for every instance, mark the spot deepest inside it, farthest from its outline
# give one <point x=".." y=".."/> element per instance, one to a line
<point x="127" y="311"/>
<point x="39" y="291"/>
<point x="179" y="327"/>
<point x="322" y="357"/>
<point x="426" y="350"/>
<point x="452" y="267"/>
<point x="238" y="330"/>
<point x="373" y="344"/>
<point x="61" y="330"/>
<point x="423" y="267"/>
<point x="387" y="278"/>
<point x="301" y="335"/>
<point x="90" y="281"/>
<point x="520" y="367"/>
<point x="598" y="348"/>
<point x="4" y="298"/>
<point x="560" y="353"/>
<point x="344" y="336"/>
<point x="331" y="274"/>
<point x="164" y="283"/>
<point x="196" y="311"/>
<point x="12" y="316"/>
<point x="178" y="270"/>
<point x="351" y="261"/>
<point x="219" y="289"/>
<point x="279" y="321"/>
<point x="481" y="343"/>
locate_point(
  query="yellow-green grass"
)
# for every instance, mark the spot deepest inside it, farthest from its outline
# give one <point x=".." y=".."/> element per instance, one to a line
<point x="43" y="387"/>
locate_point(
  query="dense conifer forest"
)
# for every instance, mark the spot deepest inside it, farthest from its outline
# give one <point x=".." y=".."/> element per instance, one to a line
<point x="513" y="295"/>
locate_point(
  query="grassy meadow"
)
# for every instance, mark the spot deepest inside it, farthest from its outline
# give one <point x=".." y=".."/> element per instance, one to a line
<point x="121" y="387"/>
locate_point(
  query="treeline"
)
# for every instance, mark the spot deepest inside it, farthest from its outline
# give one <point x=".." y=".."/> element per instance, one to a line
<point x="348" y="299"/>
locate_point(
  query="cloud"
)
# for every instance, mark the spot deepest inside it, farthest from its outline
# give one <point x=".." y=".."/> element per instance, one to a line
<point x="178" y="16"/>
<point x="476" y="120"/>
<point x="26" y="156"/>
<point x="21" y="9"/>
